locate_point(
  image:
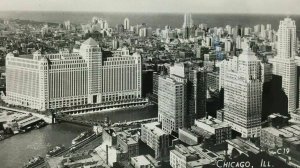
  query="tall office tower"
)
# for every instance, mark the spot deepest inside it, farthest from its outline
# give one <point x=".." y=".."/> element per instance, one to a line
<point x="263" y="34"/>
<point x="193" y="94"/>
<point x="188" y="21"/>
<point x="228" y="29"/>
<point x="143" y="32"/>
<point x="257" y="28"/>
<point x="186" y="32"/>
<point x="262" y="27"/>
<point x="284" y="64"/>
<point x="247" y="31"/>
<point x="237" y="31"/>
<point x="270" y="35"/>
<point x="126" y="24"/>
<point x="66" y="79"/>
<point x="196" y="95"/>
<point x="228" y="45"/>
<point x="115" y="44"/>
<point x="67" y="25"/>
<point x="149" y="32"/>
<point x="91" y="52"/>
<point x="187" y="25"/>
<point x="203" y="26"/>
<point x="238" y="42"/>
<point x="269" y="26"/>
<point x="171" y="103"/>
<point x="105" y="24"/>
<point x="242" y="82"/>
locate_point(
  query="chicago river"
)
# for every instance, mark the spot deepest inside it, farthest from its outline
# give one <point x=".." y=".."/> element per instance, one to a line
<point x="22" y="147"/>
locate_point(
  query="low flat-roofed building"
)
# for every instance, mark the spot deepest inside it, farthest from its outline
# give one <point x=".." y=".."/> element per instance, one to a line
<point x="198" y="163"/>
<point x="188" y="136"/>
<point x="221" y="130"/>
<point x="84" y="159"/>
<point x="286" y="138"/>
<point x="144" y="161"/>
<point x="191" y="156"/>
<point x="156" y="139"/>
<point x="272" y="137"/>
<point x="277" y="120"/>
<point x="128" y="143"/>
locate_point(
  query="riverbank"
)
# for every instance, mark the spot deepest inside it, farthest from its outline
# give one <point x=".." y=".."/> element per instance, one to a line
<point x="18" y="149"/>
<point x="13" y="123"/>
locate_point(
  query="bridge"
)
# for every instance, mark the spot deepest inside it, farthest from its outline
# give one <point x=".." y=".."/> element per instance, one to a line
<point x="46" y="118"/>
<point x="91" y="108"/>
<point x="74" y="120"/>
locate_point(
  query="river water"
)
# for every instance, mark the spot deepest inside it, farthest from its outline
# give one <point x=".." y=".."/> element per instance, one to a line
<point x="17" y="150"/>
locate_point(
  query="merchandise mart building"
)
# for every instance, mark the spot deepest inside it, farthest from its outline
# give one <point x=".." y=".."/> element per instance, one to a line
<point x="66" y="79"/>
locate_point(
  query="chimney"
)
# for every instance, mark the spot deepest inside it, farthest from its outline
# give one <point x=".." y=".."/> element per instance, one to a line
<point x="107" y="154"/>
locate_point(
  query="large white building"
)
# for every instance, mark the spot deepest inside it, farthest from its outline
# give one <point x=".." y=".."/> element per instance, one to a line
<point x="69" y="79"/>
<point x="284" y="63"/>
<point x="242" y="82"/>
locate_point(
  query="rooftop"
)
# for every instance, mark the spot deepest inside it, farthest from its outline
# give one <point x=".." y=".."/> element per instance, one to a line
<point x="247" y="55"/>
<point x="90" y="42"/>
<point x="142" y="160"/>
<point x="276" y="132"/>
<point x="128" y="138"/>
<point x="153" y="126"/>
<point x="213" y="122"/>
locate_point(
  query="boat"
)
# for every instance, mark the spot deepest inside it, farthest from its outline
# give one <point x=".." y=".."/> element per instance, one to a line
<point x="56" y="150"/>
<point x="82" y="137"/>
<point x="34" y="162"/>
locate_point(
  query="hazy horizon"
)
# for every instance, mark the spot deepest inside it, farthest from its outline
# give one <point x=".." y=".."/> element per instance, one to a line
<point x="269" y="7"/>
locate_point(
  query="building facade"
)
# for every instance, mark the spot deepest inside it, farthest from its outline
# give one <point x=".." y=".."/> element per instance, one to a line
<point x="242" y="81"/>
<point x="66" y="79"/>
<point x="171" y="103"/>
<point x="221" y="130"/>
<point x="126" y="24"/>
<point x="284" y="64"/>
<point x="156" y="139"/>
<point x="181" y="96"/>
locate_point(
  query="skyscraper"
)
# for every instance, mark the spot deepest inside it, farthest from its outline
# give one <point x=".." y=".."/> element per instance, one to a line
<point x="186" y="84"/>
<point x="126" y="24"/>
<point x="188" y="21"/>
<point x="171" y="103"/>
<point x="284" y="64"/>
<point x="243" y="93"/>
<point x="187" y="25"/>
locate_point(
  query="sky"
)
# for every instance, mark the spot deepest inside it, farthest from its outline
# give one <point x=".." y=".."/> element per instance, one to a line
<point x="287" y="7"/>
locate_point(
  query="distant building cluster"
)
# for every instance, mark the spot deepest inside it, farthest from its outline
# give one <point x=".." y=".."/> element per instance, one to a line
<point x="222" y="93"/>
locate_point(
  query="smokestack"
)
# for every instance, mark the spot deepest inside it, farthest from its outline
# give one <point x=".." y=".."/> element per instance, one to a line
<point x="107" y="154"/>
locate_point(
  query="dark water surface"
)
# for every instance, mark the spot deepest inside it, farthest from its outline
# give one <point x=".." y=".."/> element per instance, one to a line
<point x="18" y="149"/>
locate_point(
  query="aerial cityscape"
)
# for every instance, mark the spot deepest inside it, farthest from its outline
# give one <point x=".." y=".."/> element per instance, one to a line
<point x="155" y="87"/>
